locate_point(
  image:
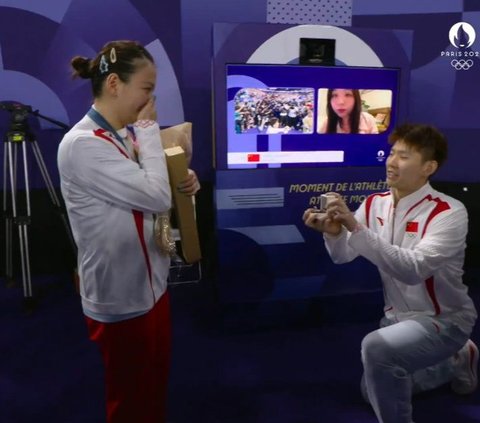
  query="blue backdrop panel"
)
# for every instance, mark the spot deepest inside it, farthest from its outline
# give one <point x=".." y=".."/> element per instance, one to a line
<point x="443" y="89"/>
<point x="265" y="252"/>
<point x="35" y="63"/>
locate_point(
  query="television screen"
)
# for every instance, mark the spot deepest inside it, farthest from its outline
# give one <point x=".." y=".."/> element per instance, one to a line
<point x="298" y="116"/>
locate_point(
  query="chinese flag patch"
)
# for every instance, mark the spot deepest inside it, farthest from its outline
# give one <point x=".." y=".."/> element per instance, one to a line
<point x="253" y="157"/>
<point x="412" y="227"/>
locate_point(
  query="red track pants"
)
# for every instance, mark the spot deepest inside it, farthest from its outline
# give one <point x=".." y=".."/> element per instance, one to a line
<point x="136" y="355"/>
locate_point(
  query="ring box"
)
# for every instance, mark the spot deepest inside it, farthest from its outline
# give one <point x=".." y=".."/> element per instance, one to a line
<point x="325" y="200"/>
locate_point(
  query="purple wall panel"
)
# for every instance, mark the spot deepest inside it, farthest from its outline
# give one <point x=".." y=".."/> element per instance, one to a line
<point x="34" y="64"/>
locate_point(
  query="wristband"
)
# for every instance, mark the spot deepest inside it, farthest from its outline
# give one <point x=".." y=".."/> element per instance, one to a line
<point x="144" y="123"/>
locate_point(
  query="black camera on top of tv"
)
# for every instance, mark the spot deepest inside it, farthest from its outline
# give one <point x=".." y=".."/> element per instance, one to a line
<point x="317" y="51"/>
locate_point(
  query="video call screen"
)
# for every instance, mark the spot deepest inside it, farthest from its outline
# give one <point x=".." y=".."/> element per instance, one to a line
<point x="301" y="116"/>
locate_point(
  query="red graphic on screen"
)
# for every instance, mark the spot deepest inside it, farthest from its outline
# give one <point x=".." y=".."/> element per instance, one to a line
<point x="253" y="157"/>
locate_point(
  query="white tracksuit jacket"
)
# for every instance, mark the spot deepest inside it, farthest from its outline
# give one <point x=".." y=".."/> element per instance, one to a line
<point x="419" y="249"/>
<point x="110" y="200"/>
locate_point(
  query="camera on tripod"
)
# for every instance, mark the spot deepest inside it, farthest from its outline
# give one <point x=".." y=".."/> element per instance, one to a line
<point x="15" y="211"/>
<point x="19" y="113"/>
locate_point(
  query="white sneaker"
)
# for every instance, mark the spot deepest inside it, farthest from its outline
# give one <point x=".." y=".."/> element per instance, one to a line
<point x="465" y="379"/>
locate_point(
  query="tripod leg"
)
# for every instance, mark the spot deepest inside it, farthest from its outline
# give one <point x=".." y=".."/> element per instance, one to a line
<point x="30" y="303"/>
<point x="21" y="220"/>
<point x="45" y="174"/>
<point x="8" y="218"/>
<point x="53" y="193"/>
<point x="23" y="223"/>
<point x="25" y="260"/>
<point x="10" y="281"/>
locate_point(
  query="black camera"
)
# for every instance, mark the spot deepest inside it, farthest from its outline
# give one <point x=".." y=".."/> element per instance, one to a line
<point x="317" y="51"/>
<point x="19" y="113"/>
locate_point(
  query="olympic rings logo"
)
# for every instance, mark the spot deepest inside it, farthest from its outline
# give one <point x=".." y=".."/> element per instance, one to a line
<point x="462" y="64"/>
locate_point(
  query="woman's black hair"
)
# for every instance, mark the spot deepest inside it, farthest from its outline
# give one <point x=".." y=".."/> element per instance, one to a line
<point x="115" y="57"/>
<point x="333" y="119"/>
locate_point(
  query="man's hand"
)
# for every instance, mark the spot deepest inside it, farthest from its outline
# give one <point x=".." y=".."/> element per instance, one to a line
<point x="321" y="222"/>
<point x="190" y="185"/>
<point x="339" y="212"/>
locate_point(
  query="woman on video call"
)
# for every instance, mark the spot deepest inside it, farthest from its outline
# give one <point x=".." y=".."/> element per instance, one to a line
<point x="344" y="114"/>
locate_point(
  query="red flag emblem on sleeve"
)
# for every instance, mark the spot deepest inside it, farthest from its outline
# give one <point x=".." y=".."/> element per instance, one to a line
<point x="252" y="157"/>
<point x="412" y="227"/>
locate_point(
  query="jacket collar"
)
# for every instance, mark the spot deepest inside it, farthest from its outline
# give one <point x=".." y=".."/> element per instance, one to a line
<point x="405" y="203"/>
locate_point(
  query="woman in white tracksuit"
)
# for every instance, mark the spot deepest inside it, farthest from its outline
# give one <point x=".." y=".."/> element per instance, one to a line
<point x="112" y="186"/>
<point x="416" y="237"/>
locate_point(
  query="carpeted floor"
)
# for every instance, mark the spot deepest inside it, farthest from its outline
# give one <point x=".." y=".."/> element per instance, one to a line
<point x="282" y="363"/>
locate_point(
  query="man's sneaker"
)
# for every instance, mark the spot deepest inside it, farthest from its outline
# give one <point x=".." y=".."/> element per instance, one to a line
<point x="465" y="378"/>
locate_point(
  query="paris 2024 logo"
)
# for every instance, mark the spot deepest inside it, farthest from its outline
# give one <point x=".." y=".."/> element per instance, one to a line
<point x="462" y="36"/>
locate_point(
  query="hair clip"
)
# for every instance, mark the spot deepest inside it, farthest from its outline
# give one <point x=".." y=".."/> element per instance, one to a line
<point x="113" y="55"/>
<point x="103" y="66"/>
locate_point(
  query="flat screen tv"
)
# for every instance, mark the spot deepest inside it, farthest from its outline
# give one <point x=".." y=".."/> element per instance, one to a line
<point x="306" y="116"/>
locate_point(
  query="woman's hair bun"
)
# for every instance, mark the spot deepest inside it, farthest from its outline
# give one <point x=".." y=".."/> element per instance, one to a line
<point x="82" y="67"/>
